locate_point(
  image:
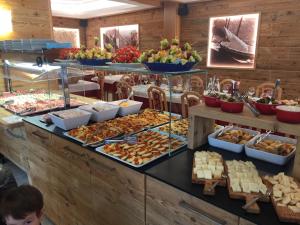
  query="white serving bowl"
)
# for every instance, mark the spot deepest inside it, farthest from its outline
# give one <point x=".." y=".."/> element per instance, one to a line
<point x="71" y="118"/>
<point x="132" y="108"/>
<point x="237" y="148"/>
<point x="268" y="156"/>
<point x="101" y="111"/>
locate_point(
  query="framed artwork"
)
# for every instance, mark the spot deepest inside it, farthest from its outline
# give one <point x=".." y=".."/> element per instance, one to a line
<point x="62" y="34"/>
<point x="232" y="41"/>
<point x="120" y="36"/>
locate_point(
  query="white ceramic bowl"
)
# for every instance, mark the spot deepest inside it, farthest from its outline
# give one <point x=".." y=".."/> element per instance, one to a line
<point x="67" y="121"/>
<point x="132" y="108"/>
<point x="106" y="111"/>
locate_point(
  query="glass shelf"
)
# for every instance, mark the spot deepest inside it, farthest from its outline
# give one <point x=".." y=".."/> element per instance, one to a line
<point x="142" y="71"/>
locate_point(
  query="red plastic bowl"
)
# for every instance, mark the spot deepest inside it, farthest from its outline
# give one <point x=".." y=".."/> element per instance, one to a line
<point x="266" y="109"/>
<point x="212" y="101"/>
<point x="232" y="107"/>
<point x="285" y="114"/>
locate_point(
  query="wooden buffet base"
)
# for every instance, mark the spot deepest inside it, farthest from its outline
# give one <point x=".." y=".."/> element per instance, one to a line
<point x="202" y="120"/>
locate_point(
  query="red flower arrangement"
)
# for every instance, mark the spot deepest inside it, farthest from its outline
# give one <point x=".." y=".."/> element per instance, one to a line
<point x="68" y="53"/>
<point x="127" y="55"/>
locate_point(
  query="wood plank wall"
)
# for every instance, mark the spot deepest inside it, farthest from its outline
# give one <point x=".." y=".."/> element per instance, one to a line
<point x="30" y="19"/>
<point x="71" y="23"/>
<point x="278" y="54"/>
<point x="150" y="25"/>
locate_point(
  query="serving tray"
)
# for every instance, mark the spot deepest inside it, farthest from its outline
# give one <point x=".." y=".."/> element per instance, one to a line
<point x="101" y="150"/>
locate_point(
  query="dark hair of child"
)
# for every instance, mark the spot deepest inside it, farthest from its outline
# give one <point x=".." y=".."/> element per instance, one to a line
<point x="21" y="201"/>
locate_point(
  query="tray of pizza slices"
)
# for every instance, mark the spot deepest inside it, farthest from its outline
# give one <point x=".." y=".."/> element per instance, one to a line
<point x="244" y="182"/>
<point x="285" y="197"/>
<point x="148" y="146"/>
<point x="95" y="134"/>
<point x="208" y="169"/>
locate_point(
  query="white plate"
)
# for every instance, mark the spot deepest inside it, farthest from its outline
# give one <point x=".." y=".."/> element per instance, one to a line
<point x="101" y="150"/>
<point x="267" y="156"/>
<point x="237" y="148"/>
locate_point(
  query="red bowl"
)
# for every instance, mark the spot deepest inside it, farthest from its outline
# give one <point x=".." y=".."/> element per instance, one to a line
<point x="212" y="101"/>
<point x="266" y="109"/>
<point x="287" y="116"/>
<point x="232" y="107"/>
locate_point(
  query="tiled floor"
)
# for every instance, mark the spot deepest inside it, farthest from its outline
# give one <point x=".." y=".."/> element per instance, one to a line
<point x="21" y="178"/>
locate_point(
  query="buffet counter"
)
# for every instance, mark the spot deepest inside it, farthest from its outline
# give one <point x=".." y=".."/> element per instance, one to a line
<point x="88" y="186"/>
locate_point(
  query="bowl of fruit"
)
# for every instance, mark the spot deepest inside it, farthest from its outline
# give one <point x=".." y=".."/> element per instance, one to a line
<point x="127" y="57"/>
<point x="212" y="100"/>
<point x="94" y="56"/>
<point x="170" y="57"/>
<point x="267" y="105"/>
<point x="231" y="105"/>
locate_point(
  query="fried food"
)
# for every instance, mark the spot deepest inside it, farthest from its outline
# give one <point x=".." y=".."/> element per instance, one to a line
<point x="150" y="145"/>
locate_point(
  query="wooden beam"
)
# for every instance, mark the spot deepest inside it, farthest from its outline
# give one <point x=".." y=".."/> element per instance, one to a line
<point x="156" y="3"/>
<point x="171" y="20"/>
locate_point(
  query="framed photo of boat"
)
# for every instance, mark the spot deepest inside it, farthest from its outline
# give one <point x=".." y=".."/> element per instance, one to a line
<point x="120" y="36"/>
<point x="232" y="41"/>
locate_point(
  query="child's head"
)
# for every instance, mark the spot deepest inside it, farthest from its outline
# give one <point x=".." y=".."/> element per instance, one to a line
<point x="22" y="206"/>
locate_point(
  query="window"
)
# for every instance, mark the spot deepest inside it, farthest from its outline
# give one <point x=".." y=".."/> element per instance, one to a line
<point x="5" y="21"/>
<point x="62" y="34"/>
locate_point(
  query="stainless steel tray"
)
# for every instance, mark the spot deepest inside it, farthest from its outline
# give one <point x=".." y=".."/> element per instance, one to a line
<point x="101" y="150"/>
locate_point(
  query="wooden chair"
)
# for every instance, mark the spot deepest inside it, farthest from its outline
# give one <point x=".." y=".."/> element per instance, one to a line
<point x="101" y="77"/>
<point x="157" y="98"/>
<point x="188" y="99"/>
<point x="264" y="88"/>
<point x="196" y="85"/>
<point x="226" y="83"/>
<point x="123" y="90"/>
<point x="128" y="78"/>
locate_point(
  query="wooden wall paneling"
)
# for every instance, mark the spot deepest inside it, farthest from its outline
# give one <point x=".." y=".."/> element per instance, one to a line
<point x="30" y="19"/>
<point x="73" y="181"/>
<point x="118" y="192"/>
<point x="278" y="45"/>
<point x="71" y="23"/>
<point x="150" y="26"/>
<point x="166" y="205"/>
<point x="171" y="20"/>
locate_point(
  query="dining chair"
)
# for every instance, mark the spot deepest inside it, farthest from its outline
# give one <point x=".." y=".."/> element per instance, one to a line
<point x="265" y="88"/>
<point x="100" y="81"/>
<point x="123" y="90"/>
<point x="128" y="78"/>
<point x="226" y="83"/>
<point x="157" y="98"/>
<point x="196" y="85"/>
<point x="188" y="99"/>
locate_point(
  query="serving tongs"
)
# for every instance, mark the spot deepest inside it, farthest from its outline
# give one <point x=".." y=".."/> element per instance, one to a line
<point x="254" y="200"/>
<point x="277" y="84"/>
<point x="262" y="137"/>
<point x="127" y="139"/>
<point x="8" y="102"/>
<point x="244" y="99"/>
<point x="223" y="130"/>
<point x="223" y="177"/>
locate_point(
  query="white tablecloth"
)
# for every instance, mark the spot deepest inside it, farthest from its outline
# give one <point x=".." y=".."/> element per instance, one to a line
<point x="83" y="85"/>
<point x="141" y="91"/>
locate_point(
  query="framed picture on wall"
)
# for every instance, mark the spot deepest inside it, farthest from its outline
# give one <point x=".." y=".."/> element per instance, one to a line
<point x="232" y="41"/>
<point x="120" y="36"/>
